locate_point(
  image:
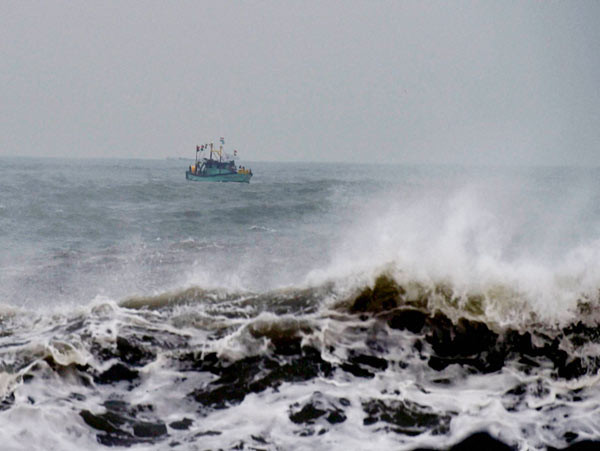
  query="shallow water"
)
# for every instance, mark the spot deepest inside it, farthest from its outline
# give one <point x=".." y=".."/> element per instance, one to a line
<point x="318" y="307"/>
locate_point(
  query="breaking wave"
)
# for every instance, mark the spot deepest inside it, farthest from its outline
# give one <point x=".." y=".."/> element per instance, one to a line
<point x="324" y="307"/>
<point x="299" y="368"/>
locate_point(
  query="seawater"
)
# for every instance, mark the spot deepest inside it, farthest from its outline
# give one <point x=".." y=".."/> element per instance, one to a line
<point x="141" y="310"/>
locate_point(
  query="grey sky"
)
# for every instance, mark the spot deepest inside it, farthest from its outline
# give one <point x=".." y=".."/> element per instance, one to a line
<point x="486" y="82"/>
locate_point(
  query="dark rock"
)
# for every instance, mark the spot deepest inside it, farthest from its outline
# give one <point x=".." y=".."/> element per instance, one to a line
<point x="369" y="360"/>
<point x="336" y="417"/>
<point x="514" y="398"/>
<point x="362" y="301"/>
<point x="285" y="338"/>
<point x="412" y="320"/>
<point x="570" y="436"/>
<point x="466" y="338"/>
<point x="145" y="429"/>
<point x="259" y="439"/>
<point x="258" y="373"/>
<point x="106" y="422"/>
<point x="385" y="295"/>
<point x="519" y="343"/>
<point x="517" y="390"/>
<point x="116" y="440"/>
<point x="116" y="373"/>
<point x="192" y="361"/>
<point x="320" y="410"/>
<point x="555" y="354"/>
<point x="357" y="370"/>
<point x="522" y="346"/>
<point x="306" y="432"/>
<point x="418" y="346"/>
<point x="467" y="343"/>
<point x="208" y="434"/>
<point x="481" y="441"/>
<point x="308" y="366"/>
<point x="405" y="417"/>
<point x="439" y="364"/>
<point x="119" y="426"/>
<point x="579" y="333"/>
<point x="220" y="397"/>
<point x="528" y="363"/>
<point x="573" y="370"/>
<point x="307" y="414"/>
<point x="470" y="343"/>
<point x="116" y="405"/>
<point x="7" y="402"/>
<point x="287" y="345"/>
<point x="584" y="445"/>
<point x="130" y="351"/>
<point x="181" y="424"/>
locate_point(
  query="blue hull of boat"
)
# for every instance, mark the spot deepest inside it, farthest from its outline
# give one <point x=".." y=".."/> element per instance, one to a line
<point x="224" y="177"/>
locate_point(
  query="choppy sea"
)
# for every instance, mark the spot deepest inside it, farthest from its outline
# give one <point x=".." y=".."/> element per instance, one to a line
<point x="320" y="307"/>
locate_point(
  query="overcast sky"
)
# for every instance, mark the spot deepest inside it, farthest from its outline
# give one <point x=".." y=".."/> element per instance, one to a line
<point x="478" y="82"/>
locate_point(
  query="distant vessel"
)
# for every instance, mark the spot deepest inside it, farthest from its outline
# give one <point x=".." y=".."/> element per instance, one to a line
<point x="212" y="169"/>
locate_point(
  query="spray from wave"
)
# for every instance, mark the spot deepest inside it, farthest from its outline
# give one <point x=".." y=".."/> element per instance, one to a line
<point x="488" y="239"/>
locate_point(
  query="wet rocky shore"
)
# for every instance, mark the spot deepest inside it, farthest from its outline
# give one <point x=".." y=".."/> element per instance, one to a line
<point x="208" y="382"/>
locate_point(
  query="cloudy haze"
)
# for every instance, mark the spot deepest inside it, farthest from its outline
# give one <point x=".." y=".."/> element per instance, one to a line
<point x="406" y="82"/>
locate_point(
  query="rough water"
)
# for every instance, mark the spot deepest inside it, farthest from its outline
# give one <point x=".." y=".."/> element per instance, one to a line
<point x="318" y="307"/>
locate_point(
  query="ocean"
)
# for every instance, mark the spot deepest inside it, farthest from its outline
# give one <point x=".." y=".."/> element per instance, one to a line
<point x="320" y="307"/>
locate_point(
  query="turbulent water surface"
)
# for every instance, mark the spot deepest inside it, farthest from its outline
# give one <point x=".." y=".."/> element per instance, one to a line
<point x="318" y="307"/>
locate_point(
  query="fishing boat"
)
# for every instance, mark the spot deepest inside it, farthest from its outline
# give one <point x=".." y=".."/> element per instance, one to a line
<point x="221" y="168"/>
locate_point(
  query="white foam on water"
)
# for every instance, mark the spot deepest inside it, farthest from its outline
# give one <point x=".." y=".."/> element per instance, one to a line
<point x="477" y="401"/>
